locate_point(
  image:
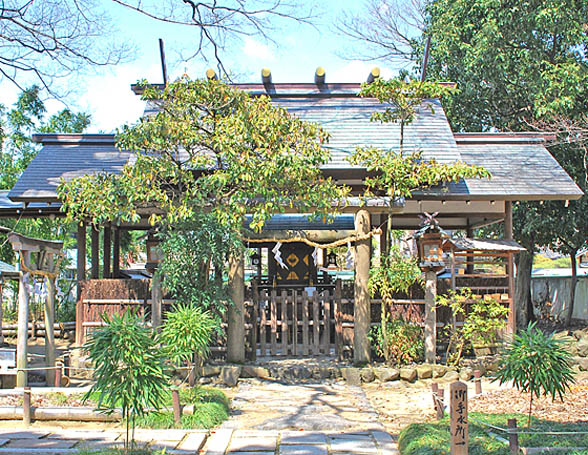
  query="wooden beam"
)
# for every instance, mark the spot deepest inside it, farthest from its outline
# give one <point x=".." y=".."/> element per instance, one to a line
<point x="210" y="74"/>
<point x="236" y="312"/>
<point x="116" y="253"/>
<point x="23" y="243"/>
<point x="319" y="76"/>
<point x="23" y="320"/>
<point x="361" y="308"/>
<point x="107" y="252"/>
<point x="266" y="76"/>
<point x="95" y="253"/>
<point x="374" y="74"/>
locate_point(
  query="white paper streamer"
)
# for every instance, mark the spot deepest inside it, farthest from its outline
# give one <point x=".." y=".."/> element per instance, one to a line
<point x="278" y="255"/>
<point x="315" y="256"/>
<point x="349" y="257"/>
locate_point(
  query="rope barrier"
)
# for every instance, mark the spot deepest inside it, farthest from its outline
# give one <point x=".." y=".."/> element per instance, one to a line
<point x="519" y="431"/>
<point x="342" y="242"/>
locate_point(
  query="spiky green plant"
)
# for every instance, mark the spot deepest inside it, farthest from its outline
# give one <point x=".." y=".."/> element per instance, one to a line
<point x="129" y="368"/>
<point x="537" y="364"/>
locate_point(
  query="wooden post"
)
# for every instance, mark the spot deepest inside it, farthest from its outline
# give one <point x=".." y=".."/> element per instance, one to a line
<point x="459" y="418"/>
<point x="81" y="270"/>
<point x="441" y="403"/>
<point x="50" y="329"/>
<point x="26" y="406"/>
<point x="107" y="252"/>
<point x="95" y="240"/>
<point x="58" y="373"/>
<point x="361" y="308"/>
<point x="156" y="300"/>
<point x="23" y="320"/>
<point x="508" y="235"/>
<point x="430" y="316"/>
<point x="478" y="381"/>
<point x="513" y="437"/>
<point x="116" y="253"/>
<point x="1" y="313"/>
<point x="236" y="312"/>
<point x="338" y="320"/>
<point x="177" y="408"/>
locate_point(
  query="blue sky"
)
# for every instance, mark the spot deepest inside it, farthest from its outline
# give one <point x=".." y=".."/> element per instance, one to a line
<point x="299" y="49"/>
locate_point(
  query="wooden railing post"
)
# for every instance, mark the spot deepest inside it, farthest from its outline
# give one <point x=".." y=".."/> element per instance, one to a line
<point x="478" y="381"/>
<point x="26" y="406"/>
<point x="338" y="321"/>
<point x="58" y="373"/>
<point x="513" y="437"/>
<point x="177" y="408"/>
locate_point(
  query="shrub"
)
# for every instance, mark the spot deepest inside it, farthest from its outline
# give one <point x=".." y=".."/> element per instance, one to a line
<point x="187" y="332"/>
<point x="536" y="363"/>
<point x="129" y="370"/>
<point x="481" y="324"/>
<point x="401" y="344"/>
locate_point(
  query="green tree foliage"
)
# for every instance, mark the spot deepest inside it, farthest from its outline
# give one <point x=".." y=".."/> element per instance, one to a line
<point x="515" y="63"/>
<point x="399" y="342"/>
<point x="129" y="368"/>
<point x="537" y="364"/>
<point x="217" y="148"/>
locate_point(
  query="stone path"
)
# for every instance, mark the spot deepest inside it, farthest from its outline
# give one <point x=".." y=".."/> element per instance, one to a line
<point x="325" y="406"/>
<point x="220" y="442"/>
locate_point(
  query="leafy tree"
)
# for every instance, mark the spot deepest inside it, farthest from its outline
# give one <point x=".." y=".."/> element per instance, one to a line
<point x="537" y="364"/>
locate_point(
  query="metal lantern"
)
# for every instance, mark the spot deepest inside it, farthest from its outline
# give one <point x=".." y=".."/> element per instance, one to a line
<point x="255" y="259"/>
<point x="332" y="260"/>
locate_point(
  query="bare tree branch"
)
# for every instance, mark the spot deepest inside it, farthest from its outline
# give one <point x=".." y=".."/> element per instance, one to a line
<point x="51" y="39"/>
<point x="388" y="27"/>
<point x="219" y="22"/>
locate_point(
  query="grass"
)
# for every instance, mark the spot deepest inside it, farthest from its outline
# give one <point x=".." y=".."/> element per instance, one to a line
<point x="433" y="438"/>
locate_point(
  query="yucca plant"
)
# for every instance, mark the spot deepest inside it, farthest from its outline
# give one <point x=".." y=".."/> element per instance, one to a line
<point x="187" y="333"/>
<point x="129" y="368"/>
<point x="536" y="363"/>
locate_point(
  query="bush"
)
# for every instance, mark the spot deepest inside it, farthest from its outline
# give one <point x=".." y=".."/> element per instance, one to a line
<point x="481" y="324"/>
<point x="536" y="363"/>
<point x="401" y="344"/>
<point x="129" y="368"/>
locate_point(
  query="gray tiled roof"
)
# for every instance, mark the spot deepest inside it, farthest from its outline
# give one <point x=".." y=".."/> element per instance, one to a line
<point x="520" y="165"/>
<point x="67" y="157"/>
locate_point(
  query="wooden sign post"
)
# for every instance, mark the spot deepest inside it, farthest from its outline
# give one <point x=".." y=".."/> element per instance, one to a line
<point x="459" y="418"/>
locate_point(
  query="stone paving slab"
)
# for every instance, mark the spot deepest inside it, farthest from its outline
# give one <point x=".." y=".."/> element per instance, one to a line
<point x="193" y="441"/>
<point x="358" y="445"/>
<point x="41" y="444"/>
<point x="302" y="437"/>
<point x="20" y="434"/>
<point x="252" y="444"/>
<point x="302" y="449"/>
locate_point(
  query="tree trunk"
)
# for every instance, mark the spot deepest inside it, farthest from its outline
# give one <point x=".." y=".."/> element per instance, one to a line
<point x="572" y="288"/>
<point x="522" y="293"/>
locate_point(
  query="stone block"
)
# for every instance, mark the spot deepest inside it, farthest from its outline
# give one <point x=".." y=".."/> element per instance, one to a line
<point x="351" y="375"/>
<point x="252" y="444"/>
<point x="439" y="371"/>
<point x="408" y="374"/>
<point x="386" y="374"/>
<point x="302" y="449"/>
<point x="451" y="376"/>
<point x="466" y="374"/>
<point x="251" y="371"/>
<point x="230" y="375"/>
<point x="210" y="370"/>
<point x="302" y="437"/>
<point x="193" y="442"/>
<point x="424" y="371"/>
<point x="367" y="375"/>
<point x="583" y="347"/>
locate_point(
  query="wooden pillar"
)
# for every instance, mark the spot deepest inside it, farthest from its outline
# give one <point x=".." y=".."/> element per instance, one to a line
<point x="81" y="271"/>
<point x="50" y="330"/>
<point x="508" y="220"/>
<point x="430" y="316"/>
<point x="95" y="253"/>
<point x="107" y="253"/>
<point x="236" y="313"/>
<point x="1" y="312"/>
<point x="361" y="308"/>
<point x="470" y="235"/>
<point x="23" y="321"/>
<point x="116" y="253"/>
<point x="156" y="300"/>
<point x="510" y="270"/>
